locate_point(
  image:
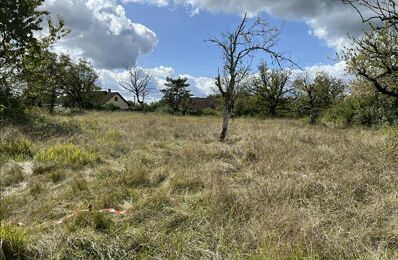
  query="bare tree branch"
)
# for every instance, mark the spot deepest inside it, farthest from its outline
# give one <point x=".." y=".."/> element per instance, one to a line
<point x="238" y="48"/>
<point x="138" y="83"/>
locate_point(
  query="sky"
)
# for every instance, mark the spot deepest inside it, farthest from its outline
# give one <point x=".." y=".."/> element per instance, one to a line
<point x="167" y="37"/>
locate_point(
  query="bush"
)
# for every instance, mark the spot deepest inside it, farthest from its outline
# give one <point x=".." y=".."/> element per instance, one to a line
<point x="342" y="114"/>
<point x="210" y="112"/>
<point x="110" y="107"/>
<point x="13" y="242"/>
<point x="363" y="110"/>
<point x="65" y="155"/>
<point x="165" y="109"/>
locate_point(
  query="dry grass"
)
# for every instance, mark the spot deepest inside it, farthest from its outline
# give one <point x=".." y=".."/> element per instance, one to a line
<point x="278" y="189"/>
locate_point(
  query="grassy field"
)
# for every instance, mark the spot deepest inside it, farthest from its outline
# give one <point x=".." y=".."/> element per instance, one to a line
<point x="277" y="189"/>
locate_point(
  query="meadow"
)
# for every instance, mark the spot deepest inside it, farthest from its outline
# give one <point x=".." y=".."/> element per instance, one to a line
<point x="276" y="189"/>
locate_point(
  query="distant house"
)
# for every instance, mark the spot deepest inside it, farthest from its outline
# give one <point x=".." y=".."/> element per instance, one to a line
<point x="105" y="98"/>
<point x="199" y="104"/>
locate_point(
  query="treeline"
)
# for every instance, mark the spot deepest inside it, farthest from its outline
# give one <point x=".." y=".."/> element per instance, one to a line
<point x="319" y="98"/>
<point x="30" y="73"/>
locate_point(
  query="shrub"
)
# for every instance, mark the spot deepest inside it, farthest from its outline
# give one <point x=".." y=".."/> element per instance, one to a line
<point x="165" y="109"/>
<point x="65" y="155"/>
<point x="210" y="112"/>
<point x="111" y="107"/>
<point x="13" y="242"/>
<point x="342" y="114"/>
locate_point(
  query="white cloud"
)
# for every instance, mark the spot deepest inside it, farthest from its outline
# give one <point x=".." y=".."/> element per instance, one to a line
<point x="101" y="31"/>
<point x="159" y="3"/>
<point x="329" y="20"/>
<point x="337" y="70"/>
<point x="199" y="86"/>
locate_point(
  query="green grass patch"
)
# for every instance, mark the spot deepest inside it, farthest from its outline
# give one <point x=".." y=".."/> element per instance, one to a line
<point x="16" y="149"/>
<point x="68" y="155"/>
<point x="13" y="242"/>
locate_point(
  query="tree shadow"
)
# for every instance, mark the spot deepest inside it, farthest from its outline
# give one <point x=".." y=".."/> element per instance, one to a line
<point x="40" y="126"/>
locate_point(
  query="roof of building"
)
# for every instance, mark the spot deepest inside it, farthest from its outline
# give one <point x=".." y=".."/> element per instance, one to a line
<point x="101" y="97"/>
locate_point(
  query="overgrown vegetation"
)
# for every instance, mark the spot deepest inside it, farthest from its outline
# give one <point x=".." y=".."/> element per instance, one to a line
<point x="78" y="184"/>
<point x="275" y="189"/>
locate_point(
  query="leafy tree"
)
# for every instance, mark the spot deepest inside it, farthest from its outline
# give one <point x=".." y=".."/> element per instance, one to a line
<point x="237" y="49"/>
<point x="77" y="81"/>
<point x="176" y="94"/>
<point x="138" y="83"/>
<point x="318" y="93"/>
<point x="42" y="74"/>
<point x="374" y="56"/>
<point x="19" y="20"/>
<point x="270" y="86"/>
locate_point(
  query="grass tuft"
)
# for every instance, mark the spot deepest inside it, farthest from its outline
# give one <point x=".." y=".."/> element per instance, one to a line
<point x="17" y="149"/>
<point x="67" y="155"/>
<point x="13" y="242"/>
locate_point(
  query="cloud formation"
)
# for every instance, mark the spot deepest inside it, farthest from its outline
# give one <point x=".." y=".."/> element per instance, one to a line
<point x="101" y="32"/>
<point x="329" y="20"/>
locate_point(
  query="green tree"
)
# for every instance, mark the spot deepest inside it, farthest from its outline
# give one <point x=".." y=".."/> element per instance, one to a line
<point x="77" y="81"/>
<point x="270" y="86"/>
<point x="176" y="94"/>
<point x="374" y="56"/>
<point x="42" y="74"/>
<point x="317" y="94"/>
<point x="19" y="20"/>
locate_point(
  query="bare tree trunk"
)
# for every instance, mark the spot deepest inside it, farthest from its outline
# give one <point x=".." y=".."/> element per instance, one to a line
<point x="225" y="124"/>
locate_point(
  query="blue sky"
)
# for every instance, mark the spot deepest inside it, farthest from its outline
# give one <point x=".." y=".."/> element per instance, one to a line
<point x="182" y="39"/>
<point x="165" y="39"/>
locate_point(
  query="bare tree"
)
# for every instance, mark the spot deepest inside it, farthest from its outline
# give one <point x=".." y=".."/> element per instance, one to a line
<point x="271" y="86"/>
<point x="382" y="12"/>
<point x="238" y="48"/>
<point x="138" y="83"/>
<point x="374" y="56"/>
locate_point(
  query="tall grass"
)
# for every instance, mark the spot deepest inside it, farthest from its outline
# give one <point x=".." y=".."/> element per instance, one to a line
<point x="65" y="155"/>
<point x="277" y="189"/>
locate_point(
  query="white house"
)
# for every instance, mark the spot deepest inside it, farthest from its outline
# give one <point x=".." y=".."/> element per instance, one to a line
<point x="103" y="98"/>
